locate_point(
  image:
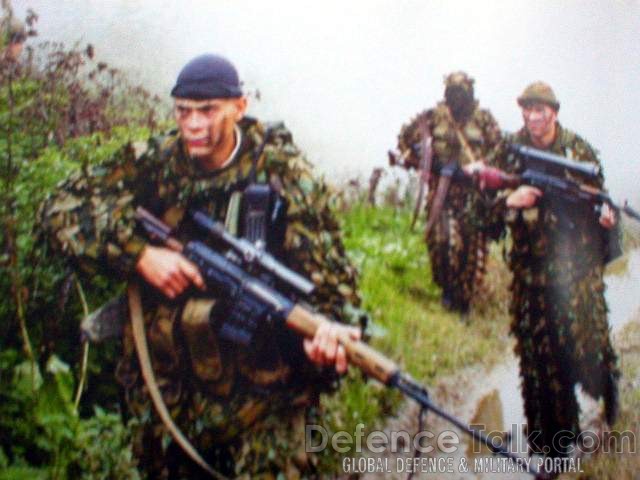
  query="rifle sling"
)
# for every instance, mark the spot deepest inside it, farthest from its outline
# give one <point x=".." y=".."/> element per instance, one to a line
<point x="461" y="138"/>
<point x="425" y="168"/>
<point x="438" y="202"/>
<point x="445" y="181"/>
<point x="142" y="349"/>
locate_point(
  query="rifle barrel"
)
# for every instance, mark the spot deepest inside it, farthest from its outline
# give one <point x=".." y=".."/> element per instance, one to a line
<point x="543" y="157"/>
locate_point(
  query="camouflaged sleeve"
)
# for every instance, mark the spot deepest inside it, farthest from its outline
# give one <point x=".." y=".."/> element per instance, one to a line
<point x="410" y="136"/>
<point x="498" y="157"/>
<point x="313" y="243"/>
<point x="90" y="218"/>
<point x="574" y="147"/>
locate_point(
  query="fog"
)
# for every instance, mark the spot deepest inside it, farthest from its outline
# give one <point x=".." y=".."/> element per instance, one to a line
<point x="345" y="76"/>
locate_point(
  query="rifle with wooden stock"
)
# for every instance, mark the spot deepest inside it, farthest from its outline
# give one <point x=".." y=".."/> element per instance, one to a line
<point x="239" y="276"/>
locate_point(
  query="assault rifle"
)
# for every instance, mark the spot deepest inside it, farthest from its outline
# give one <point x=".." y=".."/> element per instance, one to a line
<point x="546" y="171"/>
<point x="253" y="300"/>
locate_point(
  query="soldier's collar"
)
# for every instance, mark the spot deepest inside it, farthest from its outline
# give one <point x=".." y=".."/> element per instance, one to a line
<point x="236" y="149"/>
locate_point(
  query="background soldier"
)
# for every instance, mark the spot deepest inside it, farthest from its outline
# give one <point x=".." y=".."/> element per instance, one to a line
<point x="557" y="257"/>
<point x="244" y="408"/>
<point x="461" y="133"/>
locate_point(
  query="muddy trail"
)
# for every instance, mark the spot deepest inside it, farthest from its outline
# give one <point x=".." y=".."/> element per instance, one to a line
<point x="490" y="397"/>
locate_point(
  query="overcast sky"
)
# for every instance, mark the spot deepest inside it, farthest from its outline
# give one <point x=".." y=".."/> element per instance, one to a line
<point x="345" y="75"/>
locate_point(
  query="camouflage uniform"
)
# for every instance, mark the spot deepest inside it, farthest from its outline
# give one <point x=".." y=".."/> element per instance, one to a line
<point x="558" y="305"/>
<point x="243" y="408"/>
<point x="457" y="244"/>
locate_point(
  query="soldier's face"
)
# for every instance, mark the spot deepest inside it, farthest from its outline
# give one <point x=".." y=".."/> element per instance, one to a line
<point x="540" y="121"/>
<point x="207" y="126"/>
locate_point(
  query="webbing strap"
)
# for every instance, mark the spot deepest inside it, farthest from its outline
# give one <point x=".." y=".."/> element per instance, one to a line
<point x="142" y="349"/>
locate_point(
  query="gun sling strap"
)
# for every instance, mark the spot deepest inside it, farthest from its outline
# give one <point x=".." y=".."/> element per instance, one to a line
<point x="173" y="217"/>
<point x="142" y="349"/>
<point x="426" y="163"/>
<point x="444" y="181"/>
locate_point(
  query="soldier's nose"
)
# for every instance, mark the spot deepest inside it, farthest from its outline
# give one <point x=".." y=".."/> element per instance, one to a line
<point x="194" y="122"/>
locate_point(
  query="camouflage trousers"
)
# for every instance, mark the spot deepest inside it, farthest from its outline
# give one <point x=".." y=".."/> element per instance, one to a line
<point x="271" y="448"/>
<point x="457" y="251"/>
<point x="242" y="428"/>
<point x="562" y="340"/>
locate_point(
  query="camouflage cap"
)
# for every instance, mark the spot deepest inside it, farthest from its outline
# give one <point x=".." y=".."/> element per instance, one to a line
<point x="539" y="92"/>
<point x="459" y="78"/>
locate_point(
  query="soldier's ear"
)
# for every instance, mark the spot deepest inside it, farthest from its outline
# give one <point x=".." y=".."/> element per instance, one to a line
<point x="241" y="107"/>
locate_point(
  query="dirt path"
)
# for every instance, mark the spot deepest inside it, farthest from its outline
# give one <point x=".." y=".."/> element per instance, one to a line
<point x="491" y="397"/>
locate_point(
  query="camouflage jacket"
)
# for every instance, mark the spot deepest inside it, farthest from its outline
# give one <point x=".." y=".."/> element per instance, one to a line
<point x="481" y="132"/>
<point x="554" y="241"/>
<point x="91" y="220"/>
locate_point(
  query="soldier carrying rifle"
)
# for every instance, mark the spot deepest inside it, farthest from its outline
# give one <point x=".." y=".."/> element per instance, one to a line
<point x="456" y="132"/>
<point x="558" y="253"/>
<point x="242" y="407"/>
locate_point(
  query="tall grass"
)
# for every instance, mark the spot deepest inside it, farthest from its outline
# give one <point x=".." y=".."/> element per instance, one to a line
<point x="408" y="324"/>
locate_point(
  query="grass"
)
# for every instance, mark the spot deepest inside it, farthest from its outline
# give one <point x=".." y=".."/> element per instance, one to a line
<point x="408" y="323"/>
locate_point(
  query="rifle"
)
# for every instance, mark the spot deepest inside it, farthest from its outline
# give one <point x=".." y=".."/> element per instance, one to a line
<point x="254" y="300"/>
<point x="546" y="171"/>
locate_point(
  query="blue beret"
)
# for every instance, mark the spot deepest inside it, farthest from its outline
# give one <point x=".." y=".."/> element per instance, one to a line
<point x="207" y="76"/>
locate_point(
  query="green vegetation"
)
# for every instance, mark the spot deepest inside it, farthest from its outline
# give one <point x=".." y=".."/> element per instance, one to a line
<point x="408" y="324"/>
<point x="59" y="111"/>
<point x="398" y="292"/>
<point x="62" y="111"/>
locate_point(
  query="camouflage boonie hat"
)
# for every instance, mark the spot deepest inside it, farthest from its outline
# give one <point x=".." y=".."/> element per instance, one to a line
<point x="459" y="78"/>
<point x="539" y="92"/>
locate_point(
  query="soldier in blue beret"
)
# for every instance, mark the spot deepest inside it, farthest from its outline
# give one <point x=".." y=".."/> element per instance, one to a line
<point x="243" y="408"/>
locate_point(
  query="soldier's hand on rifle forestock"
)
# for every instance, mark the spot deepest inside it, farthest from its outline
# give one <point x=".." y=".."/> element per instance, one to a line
<point x="324" y="349"/>
<point x="167" y="270"/>
<point x="607" y="216"/>
<point x="524" y="196"/>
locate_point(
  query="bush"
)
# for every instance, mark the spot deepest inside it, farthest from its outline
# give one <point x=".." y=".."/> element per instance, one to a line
<point x="60" y="110"/>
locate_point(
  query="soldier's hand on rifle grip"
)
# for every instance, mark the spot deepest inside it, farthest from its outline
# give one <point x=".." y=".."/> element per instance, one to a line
<point x="167" y="270"/>
<point x="324" y="349"/>
<point x="607" y="216"/>
<point x="524" y="196"/>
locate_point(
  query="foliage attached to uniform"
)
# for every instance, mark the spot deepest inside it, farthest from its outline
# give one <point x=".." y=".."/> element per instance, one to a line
<point x="456" y="244"/>
<point x="225" y="397"/>
<point x="558" y="306"/>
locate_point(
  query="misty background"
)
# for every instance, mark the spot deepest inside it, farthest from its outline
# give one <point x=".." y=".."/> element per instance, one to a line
<point x="345" y="75"/>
